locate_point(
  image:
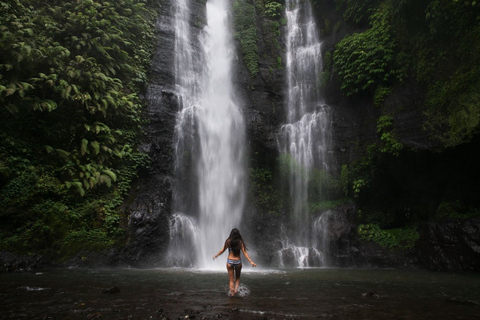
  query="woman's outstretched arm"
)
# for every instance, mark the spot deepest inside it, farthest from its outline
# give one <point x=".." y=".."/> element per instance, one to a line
<point x="245" y="253"/>
<point x="221" y="251"/>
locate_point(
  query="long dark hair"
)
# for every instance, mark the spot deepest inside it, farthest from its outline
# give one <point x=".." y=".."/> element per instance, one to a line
<point x="235" y="241"/>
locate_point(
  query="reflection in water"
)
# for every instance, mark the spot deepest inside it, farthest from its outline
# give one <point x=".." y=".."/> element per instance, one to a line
<point x="289" y="293"/>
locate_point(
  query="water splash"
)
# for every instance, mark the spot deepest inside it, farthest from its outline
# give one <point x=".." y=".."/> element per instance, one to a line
<point x="210" y="131"/>
<point x="243" y="291"/>
<point x="183" y="236"/>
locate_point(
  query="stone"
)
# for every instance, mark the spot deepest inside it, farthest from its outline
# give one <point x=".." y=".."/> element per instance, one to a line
<point x="112" y="290"/>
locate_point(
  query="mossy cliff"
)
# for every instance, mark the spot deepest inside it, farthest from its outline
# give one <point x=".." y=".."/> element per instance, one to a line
<point x="402" y="81"/>
<point x="86" y="161"/>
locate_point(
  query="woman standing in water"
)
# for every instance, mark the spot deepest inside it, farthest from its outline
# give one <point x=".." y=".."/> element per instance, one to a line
<point x="234" y="244"/>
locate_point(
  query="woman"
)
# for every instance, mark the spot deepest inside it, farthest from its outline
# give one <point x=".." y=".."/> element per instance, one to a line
<point x="234" y="244"/>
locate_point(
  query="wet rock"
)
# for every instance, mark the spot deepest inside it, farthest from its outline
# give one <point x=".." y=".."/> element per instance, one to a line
<point x="191" y="311"/>
<point x="12" y="262"/>
<point x="112" y="290"/>
<point x="94" y="316"/>
<point x="463" y="301"/>
<point x="371" y="294"/>
<point x="450" y="245"/>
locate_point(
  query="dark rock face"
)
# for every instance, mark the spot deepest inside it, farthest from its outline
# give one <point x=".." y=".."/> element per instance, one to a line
<point x="345" y="249"/>
<point x="442" y="246"/>
<point x="11" y="262"/>
<point x="450" y="245"/>
<point x="355" y="118"/>
<point x="263" y="232"/>
<point x="263" y="100"/>
<point x="149" y="211"/>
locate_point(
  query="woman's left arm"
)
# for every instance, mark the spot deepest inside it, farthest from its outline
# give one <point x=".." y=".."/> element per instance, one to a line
<point x="245" y="253"/>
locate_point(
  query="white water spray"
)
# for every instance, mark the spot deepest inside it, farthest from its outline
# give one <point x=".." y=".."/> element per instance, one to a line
<point x="210" y="131"/>
<point x="305" y="139"/>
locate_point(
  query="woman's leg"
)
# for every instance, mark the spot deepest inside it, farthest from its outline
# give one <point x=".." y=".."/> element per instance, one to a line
<point x="230" y="270"/>
<point x="238" y="271"/>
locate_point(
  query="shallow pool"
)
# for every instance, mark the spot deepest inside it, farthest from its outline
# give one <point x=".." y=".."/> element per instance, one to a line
<point x="264" y="294"/>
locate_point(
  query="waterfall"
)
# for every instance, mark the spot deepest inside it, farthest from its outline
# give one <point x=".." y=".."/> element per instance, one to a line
<point x="183" y="236"/>
<point x="304" y="140"/>
<point x="210" y="134"/>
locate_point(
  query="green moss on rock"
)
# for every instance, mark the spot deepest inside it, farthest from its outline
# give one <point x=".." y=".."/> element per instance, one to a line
<point x="245" y="25"/>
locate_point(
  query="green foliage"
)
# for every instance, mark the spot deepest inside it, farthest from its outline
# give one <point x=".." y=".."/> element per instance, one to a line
<point x="85" y="240"/>
<point x="273" y="9"/>
<point x="357" y="186"/>
<point x="271" y="34"/>
<point x="380" y="94"/>
<point x="391" y="239"/>
<point x="321" y="206"/>
<point x="389" y="143"/>
<point x="456" y="210"/>
<point x="337" y="27"/>
<point x="321" y="184"/>
<point x="362" y="171"/>
<point x="444" y="38"/>
<point x="287" y="164"/>
<point x="326" y="69"/>
<point x="453" y="108"/>
<point x="326" y="27"/>
<point x="245" y="26"/>
<point x="366" y="60"/>
<point x="265" y="195"/>
<point x="70" y="117"/>
<point x="383" y="218"/>
<point x="357" y="12"/>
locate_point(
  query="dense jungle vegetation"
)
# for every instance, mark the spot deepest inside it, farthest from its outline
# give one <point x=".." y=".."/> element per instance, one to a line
<point x="434" y="47"/>
<point x="70" y="118"/>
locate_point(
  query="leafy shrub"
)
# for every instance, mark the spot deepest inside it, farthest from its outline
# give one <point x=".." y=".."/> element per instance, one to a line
<point x="456" y="210"/>
<point x="357" y="12"/>
<point x="391" y="239"/>
<point x="273" y="9"/>
<point x="264" y="193"/>
<point x="70" y="117"/>
<point x="389" y="143"/>
<point x="453" y="108"/>
<point x="365" y="60"/>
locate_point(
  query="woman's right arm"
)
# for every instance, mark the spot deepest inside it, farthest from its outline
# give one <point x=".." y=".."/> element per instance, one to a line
<point x="221" y="251"/>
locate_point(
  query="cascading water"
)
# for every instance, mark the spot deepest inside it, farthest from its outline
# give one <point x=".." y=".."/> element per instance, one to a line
<point x="304" y="140"/>
<point x="210" y="135"/>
